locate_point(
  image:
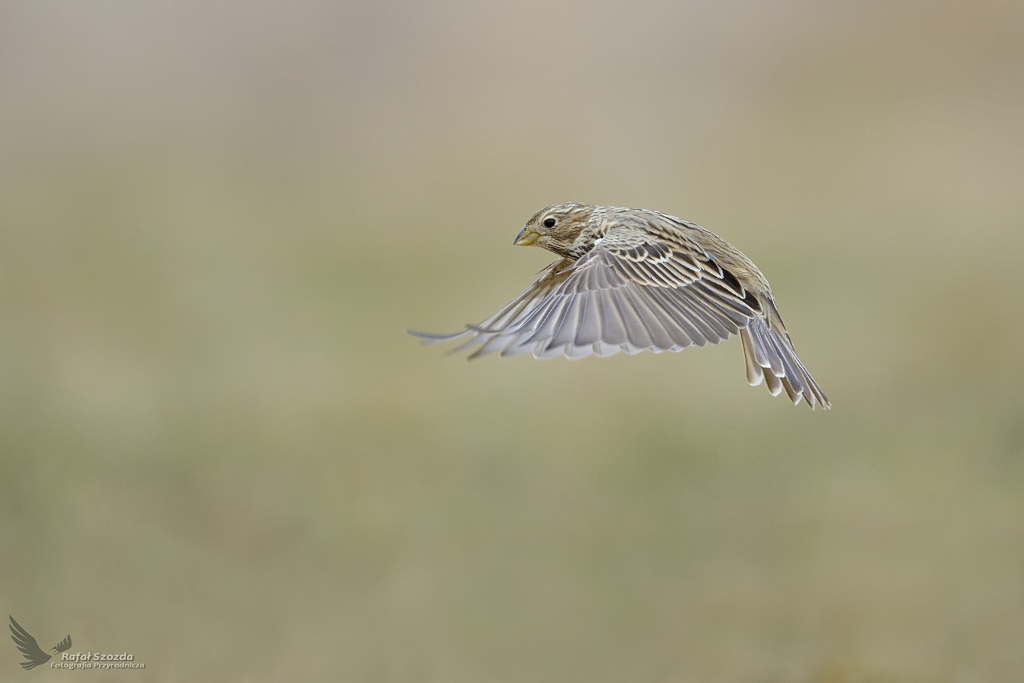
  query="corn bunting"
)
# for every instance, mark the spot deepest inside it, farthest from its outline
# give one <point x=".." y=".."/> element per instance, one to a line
<point x="633" y="280"/>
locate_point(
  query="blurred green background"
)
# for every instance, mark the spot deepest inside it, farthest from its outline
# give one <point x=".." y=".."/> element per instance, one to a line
<point x="221" y="452"/>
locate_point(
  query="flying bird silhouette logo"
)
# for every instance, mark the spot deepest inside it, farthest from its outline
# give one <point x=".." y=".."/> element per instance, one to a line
<point x="30" y="648"/>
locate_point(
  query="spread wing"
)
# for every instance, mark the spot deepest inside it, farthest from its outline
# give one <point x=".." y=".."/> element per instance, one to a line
<point x="632" y="292"/>
<point x="64" y="645"/>
<point x="550" y="278"/>
<point x="28" y="646"/>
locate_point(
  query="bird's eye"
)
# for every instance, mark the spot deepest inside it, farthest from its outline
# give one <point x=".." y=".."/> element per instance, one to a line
<point x="549" y="222"/>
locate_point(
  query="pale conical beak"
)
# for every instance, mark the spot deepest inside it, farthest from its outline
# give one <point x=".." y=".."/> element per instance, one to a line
<point x="525" y="238"/>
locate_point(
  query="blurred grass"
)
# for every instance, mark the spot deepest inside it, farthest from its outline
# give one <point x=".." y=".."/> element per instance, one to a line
<point x="222" y="453"/>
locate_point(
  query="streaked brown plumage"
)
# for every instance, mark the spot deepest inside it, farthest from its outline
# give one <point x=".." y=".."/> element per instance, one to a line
<point x="633" y="280"/>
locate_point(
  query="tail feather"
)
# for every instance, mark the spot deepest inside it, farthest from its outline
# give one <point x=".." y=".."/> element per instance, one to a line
<point x="769" y="355"/>
<point x="755" y="374"/>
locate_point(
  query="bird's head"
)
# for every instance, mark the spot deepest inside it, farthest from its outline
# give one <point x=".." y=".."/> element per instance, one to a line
<point x="557" y="228"/>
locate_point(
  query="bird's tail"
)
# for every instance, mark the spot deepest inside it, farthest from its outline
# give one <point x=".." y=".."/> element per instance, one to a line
<point x="770" y="356"/>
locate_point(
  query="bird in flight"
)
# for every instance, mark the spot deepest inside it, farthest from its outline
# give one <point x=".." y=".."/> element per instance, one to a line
<point x="637" y="280"/>
<point x="30" y="648"/>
